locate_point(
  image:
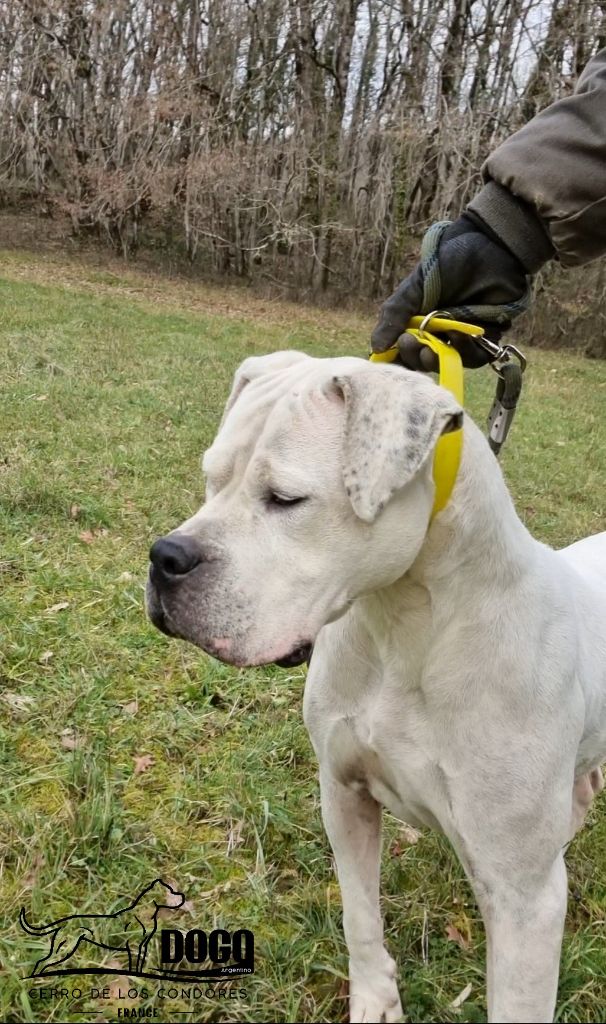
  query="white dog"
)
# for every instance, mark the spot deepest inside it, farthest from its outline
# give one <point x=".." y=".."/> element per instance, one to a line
<point x="459" y="666"/>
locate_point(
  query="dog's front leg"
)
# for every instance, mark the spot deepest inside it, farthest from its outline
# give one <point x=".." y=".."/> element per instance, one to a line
<point x="524" y="923"/>
<point x="352" y="820"/>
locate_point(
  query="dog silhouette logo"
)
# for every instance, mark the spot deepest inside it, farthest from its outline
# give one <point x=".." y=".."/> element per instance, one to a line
<point x="129" y="930"/>
<point x="193" y="954"/>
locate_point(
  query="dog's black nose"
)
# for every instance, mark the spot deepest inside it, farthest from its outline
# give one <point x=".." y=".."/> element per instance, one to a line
<point x="175" y="555"/>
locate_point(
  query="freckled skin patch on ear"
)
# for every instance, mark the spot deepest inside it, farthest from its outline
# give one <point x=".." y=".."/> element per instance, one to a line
<point x="413" y="454"/>
<point x="392" y="422"/>
<point x="417" y="416"/>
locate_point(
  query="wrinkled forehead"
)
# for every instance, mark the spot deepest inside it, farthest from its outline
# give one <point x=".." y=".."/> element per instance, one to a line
<point x="275" y="412"/>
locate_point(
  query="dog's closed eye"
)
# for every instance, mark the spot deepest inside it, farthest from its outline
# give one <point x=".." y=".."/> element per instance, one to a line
<point x="277" y="500"/>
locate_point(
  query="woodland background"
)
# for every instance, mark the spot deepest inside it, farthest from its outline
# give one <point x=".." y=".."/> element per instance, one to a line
<point x="299" y="145"/>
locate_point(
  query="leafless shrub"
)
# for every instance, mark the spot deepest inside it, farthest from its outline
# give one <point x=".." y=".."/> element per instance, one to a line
<point x="303" y="141"/>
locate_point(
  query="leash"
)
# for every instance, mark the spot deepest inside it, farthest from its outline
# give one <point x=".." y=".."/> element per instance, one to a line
<point x="432" y="286"/>
<point x="447" y="457"/>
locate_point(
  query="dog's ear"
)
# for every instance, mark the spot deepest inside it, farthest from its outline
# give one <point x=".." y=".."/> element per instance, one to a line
<point x="258" y="366"/>
<point x="393" y="419"/>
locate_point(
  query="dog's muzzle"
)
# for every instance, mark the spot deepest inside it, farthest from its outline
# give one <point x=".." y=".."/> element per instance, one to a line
<point x="178" y="563"/>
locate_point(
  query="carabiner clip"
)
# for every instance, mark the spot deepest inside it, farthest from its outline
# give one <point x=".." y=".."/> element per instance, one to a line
<point x="505" y="356"/>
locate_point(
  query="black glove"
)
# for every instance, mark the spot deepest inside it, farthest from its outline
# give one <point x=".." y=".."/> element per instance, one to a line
<point x="483" y="258"/>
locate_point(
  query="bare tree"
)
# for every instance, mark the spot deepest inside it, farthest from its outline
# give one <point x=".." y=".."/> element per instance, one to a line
<point x="302" y="142"/>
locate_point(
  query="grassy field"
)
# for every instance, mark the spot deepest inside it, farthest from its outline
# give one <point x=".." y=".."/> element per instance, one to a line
<point x="126" y="756"/>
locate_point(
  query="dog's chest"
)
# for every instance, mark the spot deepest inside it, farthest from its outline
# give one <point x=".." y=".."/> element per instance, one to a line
<point x="395" y="754"/>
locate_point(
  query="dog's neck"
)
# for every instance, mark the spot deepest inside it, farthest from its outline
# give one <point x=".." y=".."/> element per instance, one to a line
<point x="479" y="531"/>
<point x="476" y="546"/>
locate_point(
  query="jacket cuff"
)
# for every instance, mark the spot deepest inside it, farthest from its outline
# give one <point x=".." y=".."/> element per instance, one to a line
<point x="516" y="223"/>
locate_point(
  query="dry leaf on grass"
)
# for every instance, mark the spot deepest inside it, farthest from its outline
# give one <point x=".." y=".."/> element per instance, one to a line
<point x="169" y="911"/>
<point x="142" y="762"/>
<point x="90" y="536"/>
<point x="343" y="990"/>
<point x="69" y="740"/>
<point x="121" y="983"/>
<point x="453" y="933"/>
<point x="17" y="701"/>
<point x="408" y="836"/>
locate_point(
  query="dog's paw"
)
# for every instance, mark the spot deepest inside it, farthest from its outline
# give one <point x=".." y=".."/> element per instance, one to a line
<point x="374" y="997"/>
<point x="371" y="1007"/>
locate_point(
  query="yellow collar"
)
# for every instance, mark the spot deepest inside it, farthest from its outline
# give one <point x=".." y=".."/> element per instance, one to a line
<point x="448" y="449"/>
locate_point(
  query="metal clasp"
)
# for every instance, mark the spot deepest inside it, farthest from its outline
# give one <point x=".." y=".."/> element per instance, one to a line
<point x="502" y="354"/>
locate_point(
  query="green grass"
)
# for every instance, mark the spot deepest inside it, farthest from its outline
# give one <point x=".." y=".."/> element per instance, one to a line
<point x="111" y="389"/>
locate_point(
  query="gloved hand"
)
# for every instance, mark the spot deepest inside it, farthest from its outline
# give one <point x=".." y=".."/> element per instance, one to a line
<point x="476" y="268"/>
<point x="484" y="258"/>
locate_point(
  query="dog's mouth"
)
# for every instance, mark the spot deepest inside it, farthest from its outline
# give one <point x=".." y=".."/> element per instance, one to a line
<point x="299" y="654"/>
<point x="296" y="657"/>
<point x="159" y="620"/>
<point x="164" y="623"/>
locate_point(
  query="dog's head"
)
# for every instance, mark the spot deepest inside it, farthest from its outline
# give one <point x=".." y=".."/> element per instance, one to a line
<point x="165" y="896"/>
<point x="318" y="489"/>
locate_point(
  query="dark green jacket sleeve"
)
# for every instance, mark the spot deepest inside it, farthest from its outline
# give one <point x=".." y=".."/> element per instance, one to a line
<point x="557" y="165"/>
